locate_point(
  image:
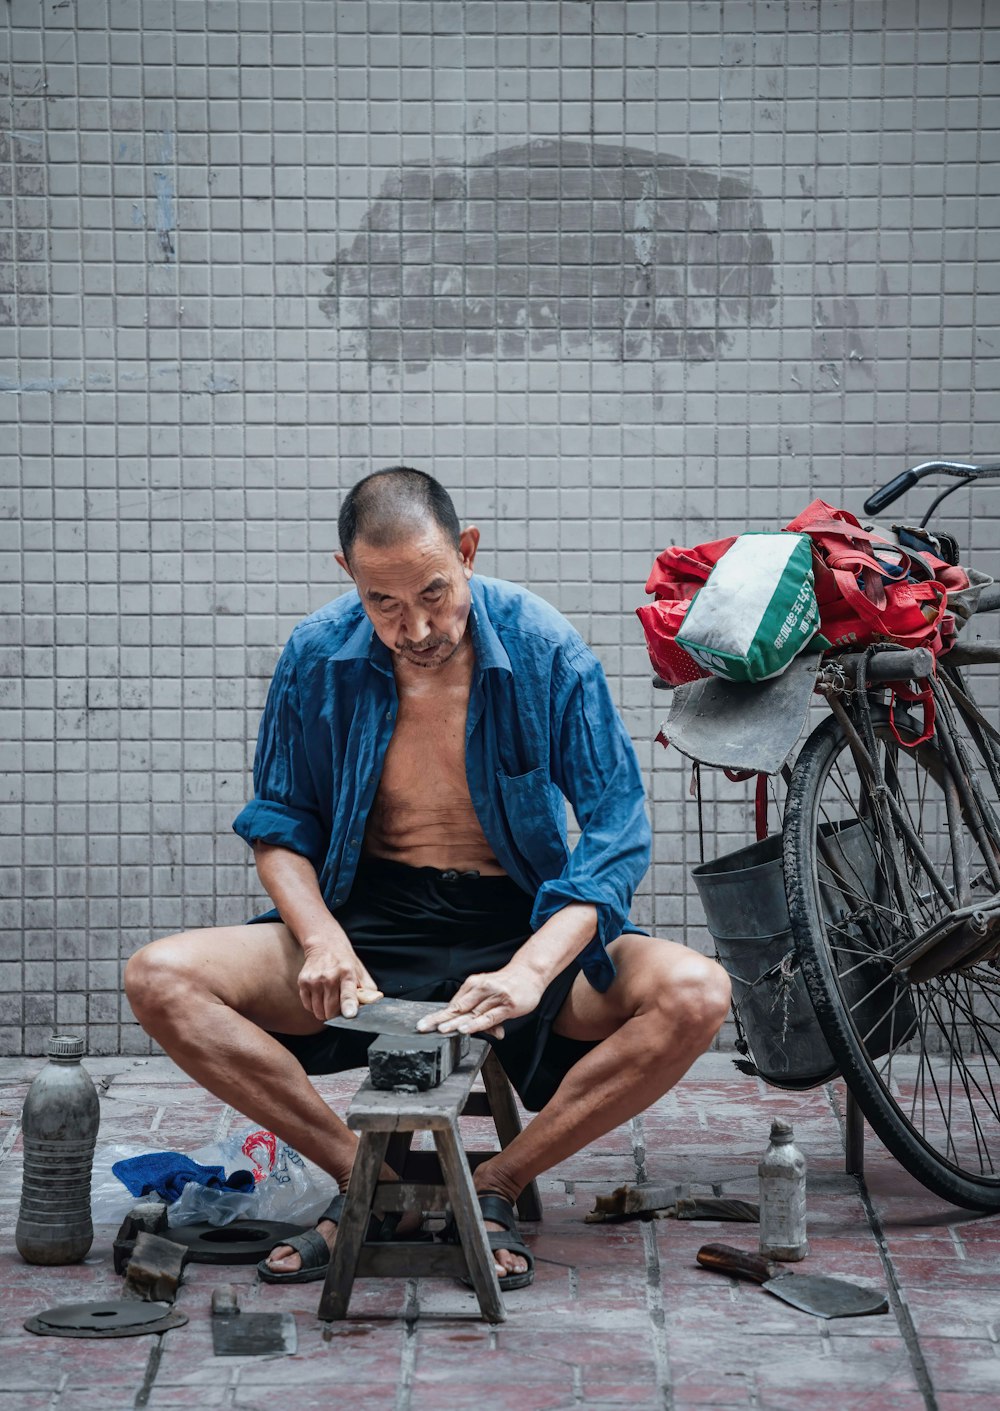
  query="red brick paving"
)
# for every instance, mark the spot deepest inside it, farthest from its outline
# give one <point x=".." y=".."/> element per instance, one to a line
<point x="619" y="1315"/>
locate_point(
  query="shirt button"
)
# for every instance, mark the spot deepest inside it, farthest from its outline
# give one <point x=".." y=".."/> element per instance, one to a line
<point x="354" y="842"/>
<point x="388" y="715"/>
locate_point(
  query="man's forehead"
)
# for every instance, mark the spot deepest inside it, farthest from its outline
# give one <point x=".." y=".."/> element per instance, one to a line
<point x="414" y="562"/>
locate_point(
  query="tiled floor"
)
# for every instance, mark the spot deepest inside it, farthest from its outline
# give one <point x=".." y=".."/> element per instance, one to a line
<point x="619" y="1315"/>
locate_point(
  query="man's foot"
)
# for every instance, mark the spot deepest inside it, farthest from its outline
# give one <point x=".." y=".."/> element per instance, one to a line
<point x="513" y="1261"/>
<point x="506" y="1261"/>
<point x="305" y="1258"/>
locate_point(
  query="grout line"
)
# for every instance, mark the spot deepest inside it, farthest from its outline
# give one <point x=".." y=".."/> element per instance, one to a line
<point x="897" y="1298"/>
<point x="408" y="1353"/>
<point x="152" y="1367"/>
<point x="654" y="1289"/>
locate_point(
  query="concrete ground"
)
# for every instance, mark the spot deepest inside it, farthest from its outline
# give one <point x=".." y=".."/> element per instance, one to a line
<point x="619" y="1316"/>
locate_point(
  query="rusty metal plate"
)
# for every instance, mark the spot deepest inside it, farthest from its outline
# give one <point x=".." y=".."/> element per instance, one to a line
<point x="239" y="1242"/>
<point x="124" y="1318"/>
<point x="731" y="725"/>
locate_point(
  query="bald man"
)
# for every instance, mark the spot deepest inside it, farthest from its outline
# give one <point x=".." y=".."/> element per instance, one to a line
<point x="421" y="737"/>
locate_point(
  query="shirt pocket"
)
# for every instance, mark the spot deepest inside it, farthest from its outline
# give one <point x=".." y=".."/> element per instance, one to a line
<point x="536" y="816"/>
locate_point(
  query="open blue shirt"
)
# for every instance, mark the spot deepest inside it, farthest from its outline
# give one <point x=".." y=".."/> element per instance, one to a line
<point x="541" y="728"/>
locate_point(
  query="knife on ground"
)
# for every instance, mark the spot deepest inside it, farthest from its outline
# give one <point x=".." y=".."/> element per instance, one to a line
<point x="814" y="1293"/>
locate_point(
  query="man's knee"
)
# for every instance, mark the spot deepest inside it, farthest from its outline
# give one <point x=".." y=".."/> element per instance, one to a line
<point x="693" y="995"/>
<point x="155" y="975"/>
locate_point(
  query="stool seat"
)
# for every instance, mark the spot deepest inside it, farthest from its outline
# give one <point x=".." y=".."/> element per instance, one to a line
<point x="429" y="1181"/>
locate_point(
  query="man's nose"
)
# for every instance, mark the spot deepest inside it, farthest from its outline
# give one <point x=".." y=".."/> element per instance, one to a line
<point x="416" y="626"/>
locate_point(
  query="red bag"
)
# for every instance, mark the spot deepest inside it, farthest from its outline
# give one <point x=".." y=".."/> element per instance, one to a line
<point x="871" y="590"/>
<point x="676" y="576"/>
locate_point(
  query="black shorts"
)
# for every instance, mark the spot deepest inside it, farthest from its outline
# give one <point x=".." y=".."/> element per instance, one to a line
<point x="421" y="933"/>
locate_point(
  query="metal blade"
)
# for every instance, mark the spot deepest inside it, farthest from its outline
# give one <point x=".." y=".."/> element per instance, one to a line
<point x="254" y="1334"/>
<point x="388" y="1016"/>
<point x="826" y="1298"/>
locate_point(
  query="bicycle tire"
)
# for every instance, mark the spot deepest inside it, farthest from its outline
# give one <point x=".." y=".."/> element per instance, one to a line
<point x="853" y="911"/>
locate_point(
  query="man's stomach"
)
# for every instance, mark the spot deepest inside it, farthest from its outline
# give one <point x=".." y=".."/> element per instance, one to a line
<point x="449" y="839"/>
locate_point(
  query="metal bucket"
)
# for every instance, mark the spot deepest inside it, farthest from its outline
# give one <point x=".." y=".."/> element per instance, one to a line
<point x="743" y="894"/>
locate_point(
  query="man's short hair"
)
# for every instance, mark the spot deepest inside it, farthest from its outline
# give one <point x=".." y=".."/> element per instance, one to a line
<point x="390" y="504"/>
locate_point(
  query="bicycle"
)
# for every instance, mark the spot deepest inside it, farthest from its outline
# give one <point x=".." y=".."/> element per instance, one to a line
<point x="890" y="854"/>
<point x="891" y="860"/>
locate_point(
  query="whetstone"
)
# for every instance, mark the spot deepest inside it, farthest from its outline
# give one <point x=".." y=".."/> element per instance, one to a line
<point x="415" y="1062"/>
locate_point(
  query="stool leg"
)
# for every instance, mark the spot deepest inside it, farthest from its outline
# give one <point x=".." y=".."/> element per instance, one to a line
<point x="397" y="1151"/>
<point x="351" y="1230"/>
<point x="469" y="1220"/>
<point x="508" y="1125"/>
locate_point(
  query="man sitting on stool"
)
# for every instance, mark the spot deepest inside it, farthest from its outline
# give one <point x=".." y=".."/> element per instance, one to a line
<point x="420" y="739"/>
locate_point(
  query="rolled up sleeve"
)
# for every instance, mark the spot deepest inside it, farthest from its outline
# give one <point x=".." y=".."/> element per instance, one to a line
<point x="595" y="765"/>
<point x="285" y="810"/>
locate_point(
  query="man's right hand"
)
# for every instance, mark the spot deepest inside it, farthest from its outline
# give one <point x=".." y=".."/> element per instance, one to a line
<point x="333" y="980"/>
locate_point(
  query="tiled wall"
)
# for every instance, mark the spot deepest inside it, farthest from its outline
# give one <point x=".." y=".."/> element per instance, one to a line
<point x="619" y="274"/>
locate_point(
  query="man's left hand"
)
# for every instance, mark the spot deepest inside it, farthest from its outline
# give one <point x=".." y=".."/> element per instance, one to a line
<point x="485" y="1001"/>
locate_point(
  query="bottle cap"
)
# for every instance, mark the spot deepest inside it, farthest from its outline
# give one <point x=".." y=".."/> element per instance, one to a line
<point x="65" y="1046"/>
<point x="781" y="1131"/>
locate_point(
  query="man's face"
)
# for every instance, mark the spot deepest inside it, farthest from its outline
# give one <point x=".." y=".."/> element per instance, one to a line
<point x="416" y="592"/>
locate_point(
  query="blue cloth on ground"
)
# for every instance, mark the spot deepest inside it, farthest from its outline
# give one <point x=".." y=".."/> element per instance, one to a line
<point x="168" y="1172"/>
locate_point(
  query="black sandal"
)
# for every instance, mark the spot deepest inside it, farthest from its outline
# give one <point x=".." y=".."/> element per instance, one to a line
<point x="314" y="1251"/>
<point x="500" y="1211"/>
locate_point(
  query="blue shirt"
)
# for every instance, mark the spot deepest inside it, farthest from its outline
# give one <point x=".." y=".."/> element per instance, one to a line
<point x="541" y="728"/>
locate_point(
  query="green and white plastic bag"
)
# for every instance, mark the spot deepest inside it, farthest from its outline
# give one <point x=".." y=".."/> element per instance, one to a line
<point x="756" y="611"/>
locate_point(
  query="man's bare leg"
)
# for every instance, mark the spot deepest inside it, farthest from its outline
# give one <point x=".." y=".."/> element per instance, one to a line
<point x="663" y="1009"/>
<point x="209" y="997"/>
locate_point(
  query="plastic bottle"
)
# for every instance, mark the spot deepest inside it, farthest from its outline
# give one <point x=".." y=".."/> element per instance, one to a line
<point x="782" y="1172"/>
<point x="59" y="1123"/>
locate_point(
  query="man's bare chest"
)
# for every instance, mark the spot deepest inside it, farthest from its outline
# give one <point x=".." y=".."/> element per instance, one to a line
<point x="427" y="750"/>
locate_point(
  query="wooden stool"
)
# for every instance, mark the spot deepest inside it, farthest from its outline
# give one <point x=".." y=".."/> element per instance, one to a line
<point x="387" y="1122"/>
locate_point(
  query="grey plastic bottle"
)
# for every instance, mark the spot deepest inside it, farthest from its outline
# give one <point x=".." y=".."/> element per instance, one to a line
<point x="59" y="1123"/>
<point x="782" y="1173"/>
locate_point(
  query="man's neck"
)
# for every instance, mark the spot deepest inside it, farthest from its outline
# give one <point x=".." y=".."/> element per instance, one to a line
<point x="456" y="670"/>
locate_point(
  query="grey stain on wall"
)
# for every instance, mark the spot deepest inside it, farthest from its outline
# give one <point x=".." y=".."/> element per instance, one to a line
<point x="553" y="244"/>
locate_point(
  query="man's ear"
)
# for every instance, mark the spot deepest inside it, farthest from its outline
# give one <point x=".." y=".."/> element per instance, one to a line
<point x="342" y="560"/>
<point x="468" y="543"/>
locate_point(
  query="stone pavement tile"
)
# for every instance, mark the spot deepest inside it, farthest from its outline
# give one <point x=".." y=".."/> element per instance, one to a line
<point x="969" y="1313"/>
<point x="959" y="1364"/>
<point x="25" y="1400"/>
<point x="462" y="1394"/>
<point x="166" y="1397"/>
<point x="961" y="1401"/>
<point x="836" y="1373"/>
<point x="30" y="1362"/>
<point x="845" y="1396"/>
<point x="329" y="1397"/>
<point x="981" y="1274"/>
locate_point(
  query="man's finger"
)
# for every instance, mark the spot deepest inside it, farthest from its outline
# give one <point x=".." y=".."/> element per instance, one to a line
<point x="348" y="998"/>
<point x="431" y="1021"/>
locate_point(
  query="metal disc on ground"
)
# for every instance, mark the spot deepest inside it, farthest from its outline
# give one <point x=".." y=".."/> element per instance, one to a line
<point x="240" y="1242"/>
<point x="113" y="1319"/>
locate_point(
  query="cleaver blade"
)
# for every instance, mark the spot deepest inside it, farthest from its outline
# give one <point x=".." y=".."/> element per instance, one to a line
<point x="388" y="1016"/>
<point x="813" y="1293"/>
<point x="238" y="1334"/>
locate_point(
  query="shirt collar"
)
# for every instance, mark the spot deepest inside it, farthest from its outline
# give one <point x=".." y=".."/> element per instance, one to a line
<point x="491" y="654"/>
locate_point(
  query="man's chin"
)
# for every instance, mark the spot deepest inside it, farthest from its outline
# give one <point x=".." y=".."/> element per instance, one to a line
<point x="437" y="656"/>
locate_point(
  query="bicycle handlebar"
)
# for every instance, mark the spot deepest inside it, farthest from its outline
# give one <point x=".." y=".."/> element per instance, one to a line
<point x="883" y="497"/>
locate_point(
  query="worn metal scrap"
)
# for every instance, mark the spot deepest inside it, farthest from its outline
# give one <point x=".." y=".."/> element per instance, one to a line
<point x="648" y="1202"/>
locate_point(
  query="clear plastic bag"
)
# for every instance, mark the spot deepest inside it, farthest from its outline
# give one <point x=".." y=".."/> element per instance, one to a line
<point x="110" y="1198"/>
<point x="283" y="1186"/>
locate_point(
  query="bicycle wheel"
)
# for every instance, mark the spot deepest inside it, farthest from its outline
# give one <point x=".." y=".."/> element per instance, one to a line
<point x="922" y="1057"/>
